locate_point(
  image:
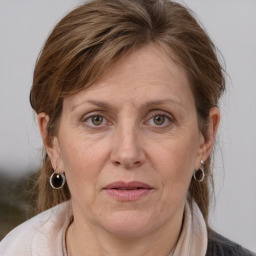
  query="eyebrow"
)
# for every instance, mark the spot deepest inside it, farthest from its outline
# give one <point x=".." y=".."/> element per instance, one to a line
<point x="161" y="102"/>
<point x="100" y="104"/>
<point x="148" y="104"/>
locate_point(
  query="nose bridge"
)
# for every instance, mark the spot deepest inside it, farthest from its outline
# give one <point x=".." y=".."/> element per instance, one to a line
<point x="127" y="148"/>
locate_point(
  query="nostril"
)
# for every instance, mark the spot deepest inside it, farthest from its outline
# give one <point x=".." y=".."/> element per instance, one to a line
<point x="117" y="163"/>
<point x="127" y="158"/>
<point x="138" y="163"/>
<point x="127" y="165"/>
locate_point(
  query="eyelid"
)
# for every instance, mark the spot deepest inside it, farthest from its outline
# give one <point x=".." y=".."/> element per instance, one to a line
<point x="107" y="120"/>
<point x="161" y="113"/>
<point x="93" y="113"/>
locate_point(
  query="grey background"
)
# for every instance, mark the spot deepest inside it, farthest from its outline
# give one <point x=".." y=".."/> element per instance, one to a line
<point x="24" y="26"/>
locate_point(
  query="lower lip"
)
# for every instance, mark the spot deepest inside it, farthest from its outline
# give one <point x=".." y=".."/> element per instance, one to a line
<point x="128" y="195"/>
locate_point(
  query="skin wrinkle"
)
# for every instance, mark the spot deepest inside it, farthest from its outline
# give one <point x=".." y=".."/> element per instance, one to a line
<point x="95" y="157"/>
<point x="105" y="105"/>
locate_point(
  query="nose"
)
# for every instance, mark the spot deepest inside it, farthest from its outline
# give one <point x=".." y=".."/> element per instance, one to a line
<point x="127" y="149"/>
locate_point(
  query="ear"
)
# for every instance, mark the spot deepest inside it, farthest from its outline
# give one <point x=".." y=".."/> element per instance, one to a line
<point x="52" y="147"/>
<point x="209" y="138"/>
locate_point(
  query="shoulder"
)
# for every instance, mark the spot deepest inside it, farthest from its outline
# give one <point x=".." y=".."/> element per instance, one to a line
<point x="37" y="236"/>
<point x="221" y="246"/>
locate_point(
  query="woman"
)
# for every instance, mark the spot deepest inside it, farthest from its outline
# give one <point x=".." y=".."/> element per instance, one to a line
<point x="126" y="94"/>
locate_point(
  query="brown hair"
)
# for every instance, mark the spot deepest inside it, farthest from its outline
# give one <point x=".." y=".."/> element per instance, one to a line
<point x="94" y="35"/>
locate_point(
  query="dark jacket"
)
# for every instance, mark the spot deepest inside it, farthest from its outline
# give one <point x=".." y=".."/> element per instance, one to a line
<point x="221" y="246"/>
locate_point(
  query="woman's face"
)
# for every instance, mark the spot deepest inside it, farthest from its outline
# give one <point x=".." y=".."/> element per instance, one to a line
<point x="129" y="144"/>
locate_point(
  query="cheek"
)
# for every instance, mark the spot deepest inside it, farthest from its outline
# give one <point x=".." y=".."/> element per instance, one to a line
<point x="82" y="163"/>
<point x="174" y="161"/>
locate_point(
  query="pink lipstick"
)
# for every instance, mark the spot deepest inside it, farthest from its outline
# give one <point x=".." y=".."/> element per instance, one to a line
<point x="131" y="191"/>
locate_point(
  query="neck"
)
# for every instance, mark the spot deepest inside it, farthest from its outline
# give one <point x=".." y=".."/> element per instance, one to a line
<point x="162" y="242"/>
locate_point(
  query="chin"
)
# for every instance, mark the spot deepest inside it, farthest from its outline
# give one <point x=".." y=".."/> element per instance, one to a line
<point x="129" y="224"/>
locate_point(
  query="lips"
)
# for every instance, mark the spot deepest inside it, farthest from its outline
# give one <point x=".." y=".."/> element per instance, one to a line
<point x="131" y="191"/>
<point x="128" y="186"/>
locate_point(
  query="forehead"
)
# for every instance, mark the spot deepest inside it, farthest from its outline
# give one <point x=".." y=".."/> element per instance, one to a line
<point x="146" y="74"/>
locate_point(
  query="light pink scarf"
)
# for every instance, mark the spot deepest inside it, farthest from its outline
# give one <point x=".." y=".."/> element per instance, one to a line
<point x="193" y="238"/>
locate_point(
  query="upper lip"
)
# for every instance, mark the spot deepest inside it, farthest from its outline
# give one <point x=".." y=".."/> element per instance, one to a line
<point x="128" y="185"/>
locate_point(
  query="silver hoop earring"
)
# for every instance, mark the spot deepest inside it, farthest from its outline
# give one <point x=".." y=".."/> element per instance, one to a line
<point x="199" y="174"/>
<point x="57" y="180"/>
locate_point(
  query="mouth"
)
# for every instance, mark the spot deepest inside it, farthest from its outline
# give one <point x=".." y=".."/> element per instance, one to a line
<point x="131" y="191"/>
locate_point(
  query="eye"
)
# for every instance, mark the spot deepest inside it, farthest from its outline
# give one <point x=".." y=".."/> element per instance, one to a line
<point x="94" y="120"/>
<point x="159" y="119"/>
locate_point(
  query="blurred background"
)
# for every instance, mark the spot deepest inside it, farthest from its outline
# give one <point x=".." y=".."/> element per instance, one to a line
<point x="24" y="26"/>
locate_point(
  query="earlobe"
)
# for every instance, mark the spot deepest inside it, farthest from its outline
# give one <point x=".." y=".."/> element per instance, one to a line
<point x="52" y="147"/>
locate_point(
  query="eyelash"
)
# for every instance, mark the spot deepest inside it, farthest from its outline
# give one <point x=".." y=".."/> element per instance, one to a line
<point x="86" y="118"/>
<point x="167" y="118"/>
